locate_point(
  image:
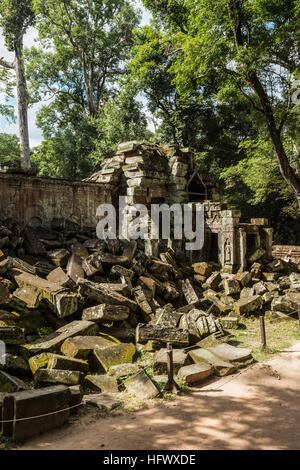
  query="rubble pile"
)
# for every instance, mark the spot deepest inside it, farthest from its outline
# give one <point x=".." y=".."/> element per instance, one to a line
<point x="77" y="311"/>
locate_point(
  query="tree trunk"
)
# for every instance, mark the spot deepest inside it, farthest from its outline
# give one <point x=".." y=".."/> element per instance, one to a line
<point x="22" y="105"/>
<point x="286" y="170"/>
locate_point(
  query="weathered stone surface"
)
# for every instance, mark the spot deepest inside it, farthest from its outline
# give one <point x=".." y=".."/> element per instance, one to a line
<point x="231" y="353"/>
<point x="92" y="265"/>
<point x="276" y="265"/>
<point x="14" y="364"/>
<point x="189" y="292"/>
<point x="257" y="255"/>
<point x="112" y="355"/>
<point x="142" y="301"/>
<point x="231" y="286"/>
<point x="47" y="403"/>
<point x="66" y="363"/>
<point x="204" y="269"/>
<point x="148" y="332"/>
<point x="248" y="305"/>
<point x="213" y="281"/>
<point x="222" y="367"/>
<point x="123" y="370"/>
<point x="141" y="386"/>
<point x="259" y="288"/>
<point x="66" y="377"/>
<point x="28" y="296"/>
<point x="222" y="308"/>
<point x="295" y="280"/>
<point x="38" y="361"/>
<point x="12" y="335"/>
<point x="53" y="342"/>
<point x="10" y="384"/>
<point x="180" y="358"/>
<point x="74" y="268"/>
<point x="247" y="292"/>
<point x="244" y="278"/>
<point x="59" y="257"/>
<point x="167" y="316"/>
<point x="104" y="295"/>
<point x="62" y="302"/>
<point x="195" y="372"/>
<point x="103" y="401"/>
<point x="108" y="258"/>
<point x="230" y="322"/>
<point x="75" y="398"/>
<point x="285" y="304"/>
<point x="101" y="383"/>
<point x="81" y="347"/>
<point x="4" y="294"/>
<point x="104" y="312"/>
<point x="58" y="276"/>
<point x="269" y="276"/>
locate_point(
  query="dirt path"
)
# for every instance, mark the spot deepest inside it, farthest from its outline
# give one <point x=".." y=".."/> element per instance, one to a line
<point x="256" y="409"/>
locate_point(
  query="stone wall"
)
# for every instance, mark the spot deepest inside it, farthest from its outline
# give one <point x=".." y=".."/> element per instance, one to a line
<point x="26" y="198"/>
<point x="279" y="252"/>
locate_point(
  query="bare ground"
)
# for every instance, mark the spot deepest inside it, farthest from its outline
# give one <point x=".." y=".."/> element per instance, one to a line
<point x="259" y="408"/>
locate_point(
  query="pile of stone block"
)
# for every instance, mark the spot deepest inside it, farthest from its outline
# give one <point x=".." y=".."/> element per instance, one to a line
<point x="76" y="311"/>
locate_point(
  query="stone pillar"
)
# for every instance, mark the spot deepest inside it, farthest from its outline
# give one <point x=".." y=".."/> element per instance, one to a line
<point x="243" y="249"/>
<point x="229" y="240"/>
<point x="269" y="241"/>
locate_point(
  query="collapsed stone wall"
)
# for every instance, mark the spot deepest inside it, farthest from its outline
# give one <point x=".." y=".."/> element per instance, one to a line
<point x="28" y="199"/>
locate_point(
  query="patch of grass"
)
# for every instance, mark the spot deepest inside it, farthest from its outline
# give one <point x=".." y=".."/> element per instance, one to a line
<point x="279" y="335"/>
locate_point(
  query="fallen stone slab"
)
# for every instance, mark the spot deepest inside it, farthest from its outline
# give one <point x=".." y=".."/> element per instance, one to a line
<point x="113" y="355"/>
<point x="221" y="366"/>
<point x="75" y="398"/>
<point x="103" y="401"/>
<point x="36" y="411"/>
<point x="295" y="280"/>
<point x="30" y="297"/>
<point x="141" y="386"/>
<point x="74" y="268"/>
<point x="38" y="361"/>
<point x="167" y="316"/>
<point x="244" y="278"/>
<point x="189" y="292"/>
<point x="108" y="258"/>
<point x="80" y="347"/>
<point x="62" y="302"/>
<point x="142" y="300"/>
<point x="213" y="281"/>
<point x="180" y="358"/>
<point x="92" y="265"/>
<point x="248" y="305"/>
<point x="231" y="287"/>
<point x="66" y="377"/>
<point x="58" y="276"/>
<point x="4" y="294"/>
<point x="59" y="257"/>
<point x="105" y="295"/>
<point x="230" y="322"/>
<point x="10" y="384"/>
<point x="285" y="304"/>
<point x="144" y="333"/>
<point x="101" y="383"/>
<point x="14" y="364"/>
<point x="66" y="363"/>
<point x="104" y="312"/>
<point x="195" y="372"/>
<point x="53" y="342"/>
<point x="203" y="269"/>
<point x="123" y="370"/>
<point x="12" y="335"/>
<point x="231" y="353"/>
<point x="259" y="288"/>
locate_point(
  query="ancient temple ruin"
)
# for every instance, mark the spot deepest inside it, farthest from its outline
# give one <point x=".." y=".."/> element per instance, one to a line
<point x="149" y="173"/>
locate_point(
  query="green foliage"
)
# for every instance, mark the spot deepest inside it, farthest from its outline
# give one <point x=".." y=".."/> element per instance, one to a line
<point x="9" y="149"/>
<point x="15" y="17"/>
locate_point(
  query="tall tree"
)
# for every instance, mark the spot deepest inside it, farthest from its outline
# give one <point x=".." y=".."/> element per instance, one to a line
<point x="248" y="46"/>
<point x="15" y="18"/>
<point x="84" y="45"/>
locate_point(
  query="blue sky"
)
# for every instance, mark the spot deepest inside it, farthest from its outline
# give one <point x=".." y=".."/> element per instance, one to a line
<point x="34" y="133"/>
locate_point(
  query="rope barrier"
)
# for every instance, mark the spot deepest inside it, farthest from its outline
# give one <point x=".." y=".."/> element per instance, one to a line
<point x="40" y="416"/>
